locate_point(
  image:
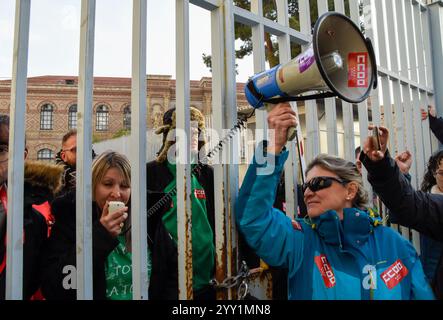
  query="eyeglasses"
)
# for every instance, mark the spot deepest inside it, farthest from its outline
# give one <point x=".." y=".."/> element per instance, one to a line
<point x="4" y="152"/>
<point x="319" y="183"/>
<point x="73" y="149"/>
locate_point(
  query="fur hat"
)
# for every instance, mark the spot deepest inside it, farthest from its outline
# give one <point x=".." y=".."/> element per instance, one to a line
<point x="167" y="129"/>
<point x="42" y="174"/>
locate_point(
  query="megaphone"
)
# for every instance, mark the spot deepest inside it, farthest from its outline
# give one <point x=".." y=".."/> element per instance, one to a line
<point x="339" y="62"/>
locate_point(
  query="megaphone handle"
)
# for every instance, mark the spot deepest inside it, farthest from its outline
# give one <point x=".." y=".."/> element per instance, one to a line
<point x="292" y="131"/>
<point x="291" y="134"/>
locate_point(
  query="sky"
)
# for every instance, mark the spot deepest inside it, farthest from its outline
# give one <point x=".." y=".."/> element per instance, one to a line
<point x="55" y="33"/>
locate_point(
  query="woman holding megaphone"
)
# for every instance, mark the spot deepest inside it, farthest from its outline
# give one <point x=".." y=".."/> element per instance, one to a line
<point x="340" y="251"/>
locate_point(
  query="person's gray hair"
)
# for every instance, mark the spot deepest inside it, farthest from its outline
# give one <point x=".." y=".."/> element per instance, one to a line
<point x="346" y="171"/>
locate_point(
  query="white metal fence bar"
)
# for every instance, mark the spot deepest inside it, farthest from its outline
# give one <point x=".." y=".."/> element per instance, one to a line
<point x="311" y="113"/>
<point x="330" y="103"/>
<point x="384" y="79"/>
<point x="418" y="27"/>
<point x="421" y="157"/>
<point x="347" y="109"/>
<point x="220" y="170"/>
<point x="259" y="57"/>
<point x="411" y="41"/>
<point x="399" y="11"/>
<point x="423" y="47"/>
<point x="140" y="280"/>
<point x="370" y="20"/>
<point x="412" y="62"/>
<point x="184" y="210"/>
<point x="426" y="40"/>
<point x="322" y="6"/>
<point x="291" y="167"/>
<point x="436" y="24"/>
<point x="405" y="56"/>
<point x="232" y="181"/>
<point x="14" y="251"/>
<point x="398" y="125"/>
<point x="84" y="157"/>
<point x="363" y="115"/>
<point x="339" y="6"/>
<point x="418" y="136"/>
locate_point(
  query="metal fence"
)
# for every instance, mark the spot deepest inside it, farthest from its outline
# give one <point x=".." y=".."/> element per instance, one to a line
<point x="400" y="33"/>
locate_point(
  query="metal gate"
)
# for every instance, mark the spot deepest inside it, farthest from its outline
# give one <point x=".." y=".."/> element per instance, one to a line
<point x="400" y="33"/>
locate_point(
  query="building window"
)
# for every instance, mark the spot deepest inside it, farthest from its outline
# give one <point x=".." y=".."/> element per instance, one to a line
<point x="127" y="118"/>
<point x="46" y="117"/>
<point x="72" y="117"/>
<point x="102" y="118"/>
<point x="45" y="155"/>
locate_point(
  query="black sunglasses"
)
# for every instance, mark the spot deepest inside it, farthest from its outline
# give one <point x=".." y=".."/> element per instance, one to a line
<point x="319" y="183"/>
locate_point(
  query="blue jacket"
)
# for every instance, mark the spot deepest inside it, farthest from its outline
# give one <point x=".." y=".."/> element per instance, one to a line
<point x="327" y="258"/>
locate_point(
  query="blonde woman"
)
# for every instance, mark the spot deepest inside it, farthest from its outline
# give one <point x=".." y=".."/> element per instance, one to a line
<point x="112" y="263"/>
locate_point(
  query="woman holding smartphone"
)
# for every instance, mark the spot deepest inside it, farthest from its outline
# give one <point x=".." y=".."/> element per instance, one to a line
<point x="111" y="237"/>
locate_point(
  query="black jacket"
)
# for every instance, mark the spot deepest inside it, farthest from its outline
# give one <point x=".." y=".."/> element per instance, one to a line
<point x="42" y="180"/>
<point x="414" y="209"/>
<point x="436" y="125"/>
<point x="60" y="253"/>
<point x="164" y="276"/>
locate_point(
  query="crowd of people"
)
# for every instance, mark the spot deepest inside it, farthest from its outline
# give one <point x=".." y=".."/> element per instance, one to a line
<point x="334" y="247"/>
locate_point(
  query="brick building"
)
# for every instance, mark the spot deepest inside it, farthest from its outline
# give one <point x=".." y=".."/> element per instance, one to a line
<point x="52" y="105"/>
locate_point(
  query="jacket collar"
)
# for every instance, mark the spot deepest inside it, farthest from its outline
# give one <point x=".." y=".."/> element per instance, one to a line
<point x="436" y="190"/>
<point x="353" y="231"/>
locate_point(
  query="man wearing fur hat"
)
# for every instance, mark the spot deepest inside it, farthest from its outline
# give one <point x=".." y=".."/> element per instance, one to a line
<point x="42" y="180"/>
<point x="161" y="179"/>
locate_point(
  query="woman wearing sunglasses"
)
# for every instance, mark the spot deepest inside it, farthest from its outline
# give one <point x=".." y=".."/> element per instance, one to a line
<point x="340" y="251"/>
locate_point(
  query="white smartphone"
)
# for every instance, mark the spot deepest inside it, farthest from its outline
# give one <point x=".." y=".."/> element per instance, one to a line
<point x="115" y="205"/>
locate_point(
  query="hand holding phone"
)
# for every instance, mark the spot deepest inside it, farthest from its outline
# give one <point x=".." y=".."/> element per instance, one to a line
<point x="376" y="138"/>
<point x="112" y="221"/>
<point x="115" y="205"/>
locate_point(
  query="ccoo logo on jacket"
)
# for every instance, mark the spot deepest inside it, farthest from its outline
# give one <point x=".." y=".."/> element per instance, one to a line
<point x="200" y="194"/>
<point x="326" y="271"/>
<point x="394" y="274"/>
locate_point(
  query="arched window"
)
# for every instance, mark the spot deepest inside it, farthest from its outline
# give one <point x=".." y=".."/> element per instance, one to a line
<point x="46" y="117"/>
<point x="102" y="118"/>
<point x="45" y="154"/>
<point x="127" y="118"/>
<point x="72" y="117"/>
